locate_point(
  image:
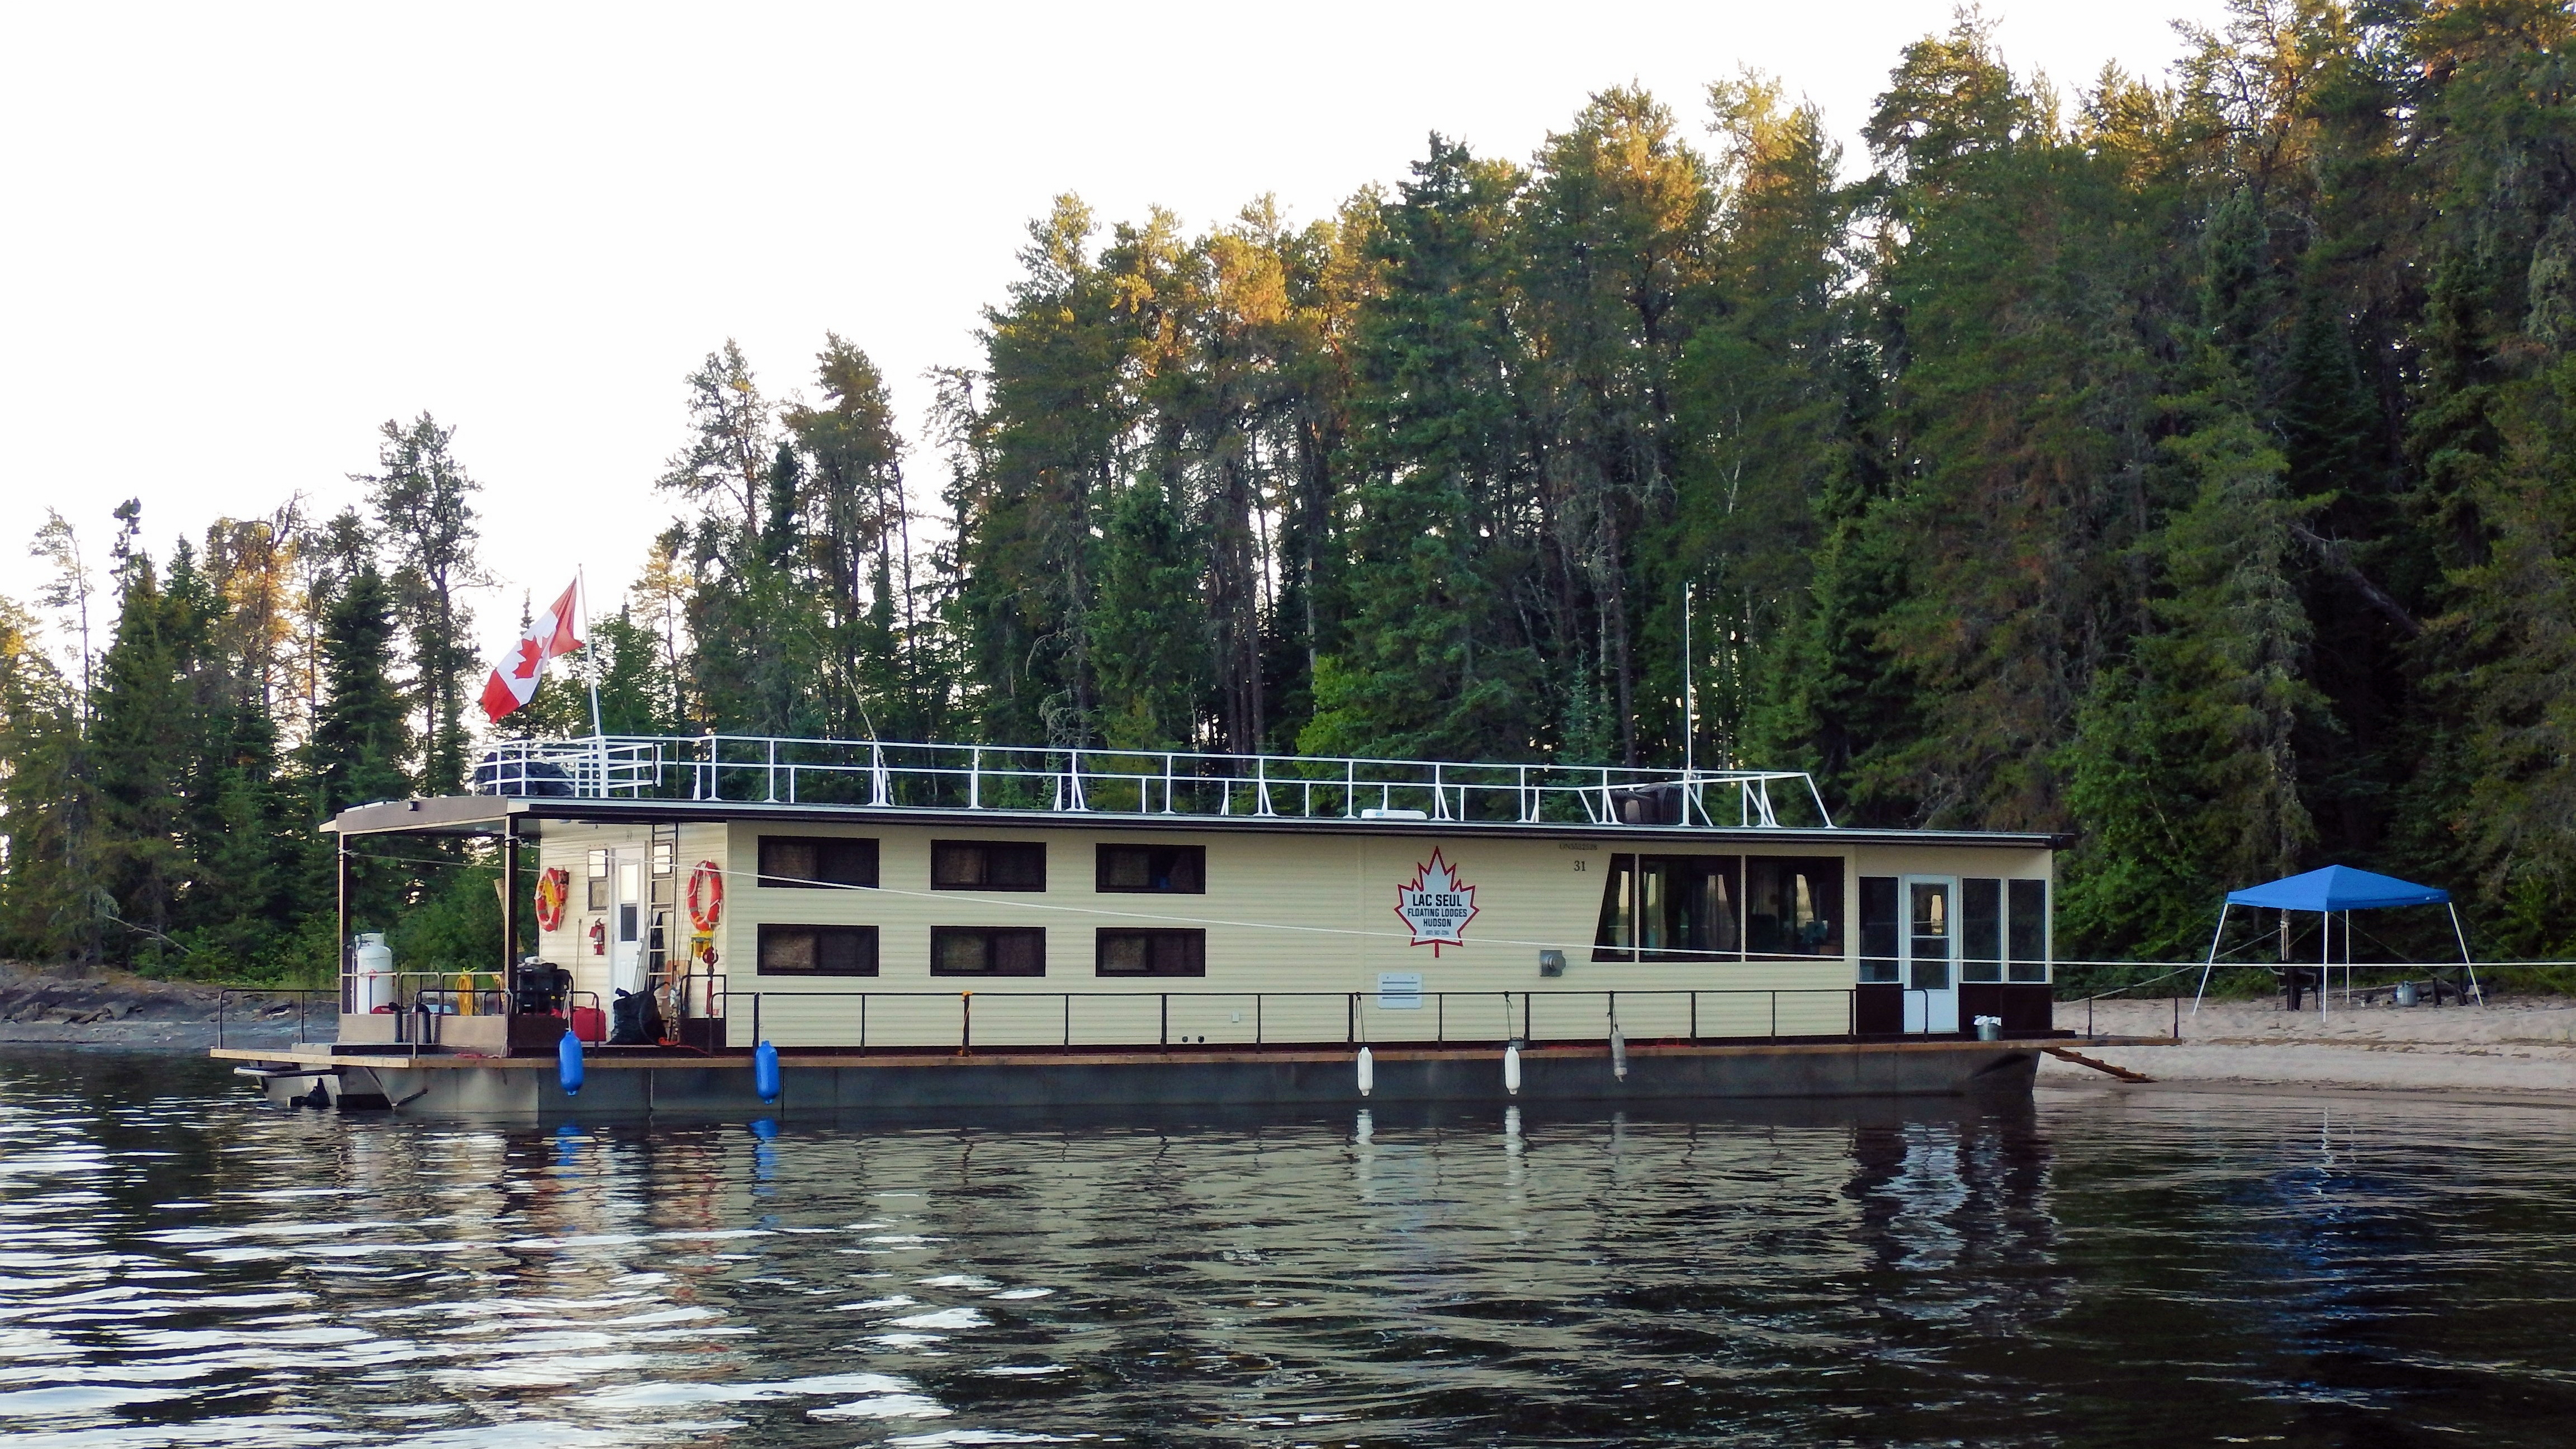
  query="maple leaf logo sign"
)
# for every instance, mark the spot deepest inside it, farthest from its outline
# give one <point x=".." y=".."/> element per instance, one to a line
<point x="1436" y="906"/>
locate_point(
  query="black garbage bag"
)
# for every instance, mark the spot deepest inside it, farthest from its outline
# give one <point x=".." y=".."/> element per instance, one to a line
<point x="633" y="1020"/>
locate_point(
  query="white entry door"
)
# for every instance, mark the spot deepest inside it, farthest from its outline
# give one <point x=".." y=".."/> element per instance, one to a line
<point x="626" y="912"/>
<point x="1930" y="943"/>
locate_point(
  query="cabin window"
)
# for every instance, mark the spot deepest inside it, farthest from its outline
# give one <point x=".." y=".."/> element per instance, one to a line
<point x="1670" y="908"/>
<point x="988" y="950"/>
<point x="1176" y="869"/>
<point x="816" y="861"/>
<point x="1793" y="906"/>
<point x="2028" y="926"/>
<point x="1152" y="953"/>
<point x="817" y="951"/>
<point x="1981" y="929"/>
<point x="987" y="865"/>
<point x="597" y="883"/>
<point x="1878" y="928"/>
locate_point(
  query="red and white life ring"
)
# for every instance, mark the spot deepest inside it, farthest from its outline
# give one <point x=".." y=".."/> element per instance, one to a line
<point x="706" y="895"/>
<point x="554" y="887"/>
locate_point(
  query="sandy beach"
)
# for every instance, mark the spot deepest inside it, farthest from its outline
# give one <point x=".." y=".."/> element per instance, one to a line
<point x="2519" y="1046"/>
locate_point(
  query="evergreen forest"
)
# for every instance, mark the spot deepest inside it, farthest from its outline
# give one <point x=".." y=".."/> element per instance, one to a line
<point x="2185" y="466"/>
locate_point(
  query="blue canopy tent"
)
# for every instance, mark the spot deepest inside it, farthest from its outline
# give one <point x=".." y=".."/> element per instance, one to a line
<point x="2335" y="890"/>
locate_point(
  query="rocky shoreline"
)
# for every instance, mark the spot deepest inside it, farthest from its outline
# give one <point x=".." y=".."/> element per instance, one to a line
<point x="109" y="1008"/>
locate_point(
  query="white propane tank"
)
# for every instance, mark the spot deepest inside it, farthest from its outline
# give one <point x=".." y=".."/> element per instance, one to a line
<point x="1368" y="1072"/>
<point x="373" y="961"/>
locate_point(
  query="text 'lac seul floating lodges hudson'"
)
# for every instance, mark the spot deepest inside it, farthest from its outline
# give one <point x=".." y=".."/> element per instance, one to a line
<point x="914" y="925"/>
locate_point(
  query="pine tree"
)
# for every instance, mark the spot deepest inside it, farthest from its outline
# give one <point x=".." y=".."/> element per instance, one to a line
<point x="143" y="745"/>
<point x="1438" y="657"/>
<point x="1149" y="625"/>
<point x="359" y="739"/>
<point x="425" y="517"/>
<point x="44" y="889"/>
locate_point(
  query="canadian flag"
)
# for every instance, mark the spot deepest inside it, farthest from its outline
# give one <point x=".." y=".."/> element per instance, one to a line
<point x="514" y="679"/>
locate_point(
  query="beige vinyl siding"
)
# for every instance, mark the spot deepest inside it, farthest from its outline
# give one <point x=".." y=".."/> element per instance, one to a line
<point x="1300" y="921"/>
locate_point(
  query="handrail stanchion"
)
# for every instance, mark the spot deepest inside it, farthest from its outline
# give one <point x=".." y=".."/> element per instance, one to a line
<point x="755" y="1020"/>
<point x="1166" y="1028"/>
<point x="965" y="1022"/>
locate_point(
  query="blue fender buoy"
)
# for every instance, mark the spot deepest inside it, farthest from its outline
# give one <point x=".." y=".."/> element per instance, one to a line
<point x="764" y="1071"/>
<point x="568" y="1063"/>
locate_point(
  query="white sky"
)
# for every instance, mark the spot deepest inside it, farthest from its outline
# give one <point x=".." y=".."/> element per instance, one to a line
<point x="235" y="239"/>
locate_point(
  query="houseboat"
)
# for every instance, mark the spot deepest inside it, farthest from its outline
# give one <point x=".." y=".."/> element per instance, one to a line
<point x="769" y="926"/>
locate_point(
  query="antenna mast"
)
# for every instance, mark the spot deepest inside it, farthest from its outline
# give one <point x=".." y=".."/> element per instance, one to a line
<point x="1690" y="757"/>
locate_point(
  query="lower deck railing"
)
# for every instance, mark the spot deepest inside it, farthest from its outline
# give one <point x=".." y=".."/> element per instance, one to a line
<point x="1065" y="1020"/>
<point x="702" y="1011"/>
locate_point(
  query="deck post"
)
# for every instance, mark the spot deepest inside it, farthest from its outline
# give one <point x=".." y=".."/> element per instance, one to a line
<point x="1166" y="1029"/>
<point x="965" y="1022"/>
<point x="340" y="870"/>
<point x="509" y="909"/>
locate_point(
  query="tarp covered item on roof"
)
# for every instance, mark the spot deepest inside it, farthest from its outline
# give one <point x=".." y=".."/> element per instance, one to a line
<point x="2338" y="888"/>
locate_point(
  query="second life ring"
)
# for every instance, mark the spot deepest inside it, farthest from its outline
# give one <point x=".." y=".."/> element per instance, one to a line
<point x="554" y="888"/>
<point x="706" y="895"/>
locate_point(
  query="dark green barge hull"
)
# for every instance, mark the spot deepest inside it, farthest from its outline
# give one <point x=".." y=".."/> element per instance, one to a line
<point x="828" y="1085"/>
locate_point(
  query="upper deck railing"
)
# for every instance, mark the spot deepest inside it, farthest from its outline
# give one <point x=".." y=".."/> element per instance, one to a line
<point x="870" y="773"/>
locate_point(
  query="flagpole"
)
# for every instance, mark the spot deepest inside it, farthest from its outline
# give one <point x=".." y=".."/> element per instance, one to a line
<point x="581" y="586"/>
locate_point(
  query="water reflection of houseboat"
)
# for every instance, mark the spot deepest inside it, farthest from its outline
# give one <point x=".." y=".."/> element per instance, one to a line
<point x="916" y="924"/>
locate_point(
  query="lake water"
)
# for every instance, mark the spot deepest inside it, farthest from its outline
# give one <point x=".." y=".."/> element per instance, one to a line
<point x="184" y="1266"/>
